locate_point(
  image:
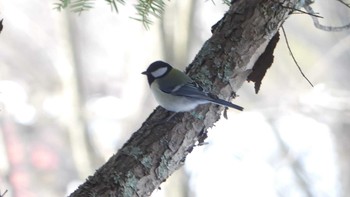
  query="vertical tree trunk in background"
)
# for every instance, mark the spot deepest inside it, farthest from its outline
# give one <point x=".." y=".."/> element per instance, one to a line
<point x="72" y="91"/>
<point x="155" y="151"/>
<point x="342" y="139"/>
<point x="337" y="59"/>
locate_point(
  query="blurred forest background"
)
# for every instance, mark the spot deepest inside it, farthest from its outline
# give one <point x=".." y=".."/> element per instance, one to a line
<point x="71" y="94"/>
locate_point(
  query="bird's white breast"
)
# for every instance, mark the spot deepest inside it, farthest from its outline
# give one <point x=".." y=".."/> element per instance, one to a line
<point x="174" y="103"/>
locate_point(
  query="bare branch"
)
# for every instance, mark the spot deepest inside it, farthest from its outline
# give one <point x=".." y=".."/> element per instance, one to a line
<point x="295" y="61"/>
<point x="317" y="24"/>
<point x="1" y="25"/>
<point x="2" y="195"/>
<point x="302" y="12"/>
<point x="342" y="2"/>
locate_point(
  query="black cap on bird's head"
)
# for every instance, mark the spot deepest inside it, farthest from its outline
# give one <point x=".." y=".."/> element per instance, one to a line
<point x="156" y="70"/>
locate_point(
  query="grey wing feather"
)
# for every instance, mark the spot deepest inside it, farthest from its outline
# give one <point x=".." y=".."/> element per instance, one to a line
<point x="191" y="90"/>
<point x="194" y="91"/>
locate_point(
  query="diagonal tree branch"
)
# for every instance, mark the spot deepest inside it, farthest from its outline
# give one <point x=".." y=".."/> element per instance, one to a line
<point x="156" y="150"/>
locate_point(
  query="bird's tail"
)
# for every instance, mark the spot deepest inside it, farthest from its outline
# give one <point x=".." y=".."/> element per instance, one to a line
<point x="226" y="104"/>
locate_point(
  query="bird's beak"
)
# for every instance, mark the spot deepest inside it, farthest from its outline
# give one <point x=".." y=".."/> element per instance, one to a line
<point x="144" y="73"/>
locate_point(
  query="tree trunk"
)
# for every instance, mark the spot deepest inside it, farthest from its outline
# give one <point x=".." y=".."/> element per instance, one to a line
<point x="157" y="149"/>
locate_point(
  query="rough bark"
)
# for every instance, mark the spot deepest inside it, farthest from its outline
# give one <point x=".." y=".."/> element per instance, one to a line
<point x="156" y="150"/>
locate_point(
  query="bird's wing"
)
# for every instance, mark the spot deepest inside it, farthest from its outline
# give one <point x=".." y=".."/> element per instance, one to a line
<point x="194" y="91"/>
<point x="191" y="90"/>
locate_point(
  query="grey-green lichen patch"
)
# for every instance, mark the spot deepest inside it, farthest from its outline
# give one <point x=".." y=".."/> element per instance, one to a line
<point x="205" y="71"/>
<point x="228" y="72"/>
<point x="147" y="161"/>
<point x="217" y="62"/>
<point x="196" y="115"/>
<point x="208" y="50"/>
<point x="135" y="152"/>
<point x="203" y="77"/>
<point x="220" y="75"/>
<point x="162" y="170"/>
<point x="116" y="178"/>
<point x="130" y="184"/>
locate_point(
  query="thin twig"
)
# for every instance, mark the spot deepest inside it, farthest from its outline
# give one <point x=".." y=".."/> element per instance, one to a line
<point x="2" y="195"/>
<point x="323" y="27"/>
<point x="303" y="12"/>
<point x="342" y="2"/>
<point x="295" y="61"/>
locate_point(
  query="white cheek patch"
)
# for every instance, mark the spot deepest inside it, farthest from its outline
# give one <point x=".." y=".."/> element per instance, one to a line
<point x="159" y="72"/>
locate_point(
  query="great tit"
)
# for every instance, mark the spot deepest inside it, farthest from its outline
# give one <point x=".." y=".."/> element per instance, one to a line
<point x="177" y="92"/>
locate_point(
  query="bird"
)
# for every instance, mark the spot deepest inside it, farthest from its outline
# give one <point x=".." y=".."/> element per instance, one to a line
<point x="177" y="92"/>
